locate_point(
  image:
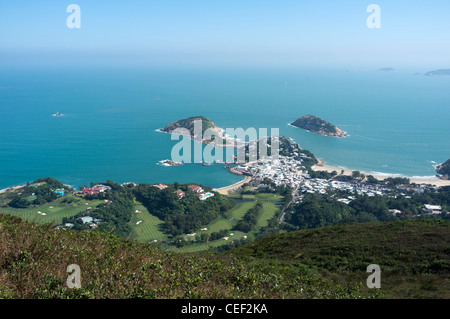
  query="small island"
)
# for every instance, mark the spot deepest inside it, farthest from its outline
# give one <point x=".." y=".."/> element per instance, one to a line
<point x="315" y="124"/>
<point x="386" y="70"/>
<point x="439" y="72"/>
<point x="168" y="162"/>
<point x="444" y="170"/>
<point x="218" y="138"/>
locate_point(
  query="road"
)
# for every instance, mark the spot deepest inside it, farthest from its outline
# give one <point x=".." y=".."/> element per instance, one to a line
<point x="294" y="198"/>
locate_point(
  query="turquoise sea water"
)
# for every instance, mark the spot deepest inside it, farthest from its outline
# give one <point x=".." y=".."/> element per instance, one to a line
<point x="397" y="122"/>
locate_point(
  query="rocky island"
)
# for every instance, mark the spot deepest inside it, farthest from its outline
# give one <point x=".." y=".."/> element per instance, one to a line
<point x="189" y="124"/>
<point x="438" y="72"/>
<point x="444" y="170"/>
<point x="315" y="124"/>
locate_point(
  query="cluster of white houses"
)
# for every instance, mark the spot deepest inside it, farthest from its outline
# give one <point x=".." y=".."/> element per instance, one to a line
<point x="291" y="171"/>
<point x="92" y="222"/>
<point x="283" y="171"/>
<point x="432" y="209"/>
<point x="317" y="185"/>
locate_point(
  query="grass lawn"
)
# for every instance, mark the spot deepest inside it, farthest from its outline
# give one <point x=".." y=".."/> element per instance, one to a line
<point x="146" y="227"/>
<point x="263" y="197"/>
<point x="239" y="210"/>
<point x="54" y="211"/>
<point x="271" y="197"/>
<point x="202" y="246"/>
<point x="269" y="209"/>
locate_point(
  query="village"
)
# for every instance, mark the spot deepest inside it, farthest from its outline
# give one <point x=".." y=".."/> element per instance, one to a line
<point x="291" y="171"/>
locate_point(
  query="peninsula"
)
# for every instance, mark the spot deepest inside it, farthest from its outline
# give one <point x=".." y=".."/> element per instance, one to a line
<point x="315" y="124"/>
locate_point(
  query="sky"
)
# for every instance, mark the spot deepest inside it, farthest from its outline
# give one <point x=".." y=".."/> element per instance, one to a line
<point x="261" y="33"/>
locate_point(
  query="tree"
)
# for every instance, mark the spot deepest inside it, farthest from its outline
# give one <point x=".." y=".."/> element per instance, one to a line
<point x="356" y="174"/>
<point x="19" y="202"/>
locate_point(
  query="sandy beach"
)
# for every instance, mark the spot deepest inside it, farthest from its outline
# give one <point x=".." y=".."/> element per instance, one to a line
<point x="10" y="188"/>
<point x="226" y="189"/>
<point x="321" y="166"/>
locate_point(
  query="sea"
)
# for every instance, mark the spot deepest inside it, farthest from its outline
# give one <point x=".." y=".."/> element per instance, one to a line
<point x="397" y="122"/>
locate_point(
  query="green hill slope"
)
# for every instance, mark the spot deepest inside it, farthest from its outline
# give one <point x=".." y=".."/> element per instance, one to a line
<point x="414" y="255"/>
<point x="323" y="263"/>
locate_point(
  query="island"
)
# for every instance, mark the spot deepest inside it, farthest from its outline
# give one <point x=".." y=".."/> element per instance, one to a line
<point x="444" y="170"/>
<point x="386" y="70"/>
<point x="218" y="138"/>
<point x="168" y="162"/>
<point x="439" y="72"/>
<point x="315" y="124"/>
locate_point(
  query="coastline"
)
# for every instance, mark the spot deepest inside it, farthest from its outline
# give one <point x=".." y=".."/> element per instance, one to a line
<point x="203" y="141"/>
<point x="433" y="180"/>
<point x="11" y="188"/>
<point x="226" y="189"/>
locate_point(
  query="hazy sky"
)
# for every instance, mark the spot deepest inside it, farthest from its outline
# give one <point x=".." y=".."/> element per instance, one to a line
<point x="226" y="33"/>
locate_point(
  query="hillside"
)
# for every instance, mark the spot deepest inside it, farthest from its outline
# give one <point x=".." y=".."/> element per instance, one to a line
<point x="444" y="169"/>
<point x="323" y="263"/>
<point x="317" y="125"/>
<point x="34" y="259"/>
<point x="414" y="255"/>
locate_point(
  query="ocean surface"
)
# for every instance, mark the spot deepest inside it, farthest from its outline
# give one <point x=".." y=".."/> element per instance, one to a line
<point x="398" y="123"/>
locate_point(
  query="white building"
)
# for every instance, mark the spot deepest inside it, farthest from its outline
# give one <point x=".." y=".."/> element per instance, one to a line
<point x="432" y="209"/>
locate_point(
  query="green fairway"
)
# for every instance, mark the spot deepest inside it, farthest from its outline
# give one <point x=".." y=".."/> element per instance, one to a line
<point x="271" y="197"/>
<point x="54" y="211"/>
<point x="232" y="216"/>
<point x="202" y="246"/>
<point x="146" y="227"/>
<point x="240" y="209"/>
<point x="269" y="210"/>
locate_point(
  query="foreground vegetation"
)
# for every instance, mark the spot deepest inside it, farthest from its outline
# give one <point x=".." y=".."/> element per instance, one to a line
<point x="414" y="255"/>
<point x="34" y="260"/>
<point x="328" y="262"/>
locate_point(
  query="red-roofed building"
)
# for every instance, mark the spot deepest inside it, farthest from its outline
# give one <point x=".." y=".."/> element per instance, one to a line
<point x="195" y="188"/>
<point x="180" y="195"/>
<point x="91" y="191"/>
<point x="161" y="186"/>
